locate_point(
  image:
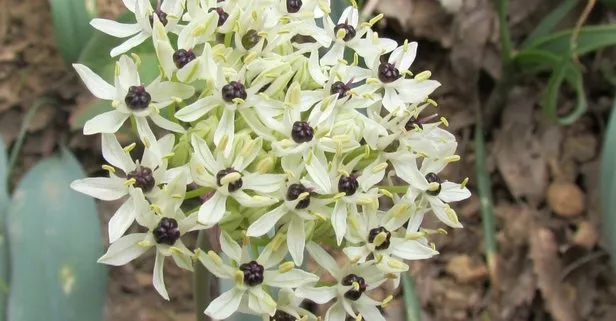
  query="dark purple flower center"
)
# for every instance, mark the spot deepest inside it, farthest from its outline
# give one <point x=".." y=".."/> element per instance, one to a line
<point x="433" y="178"/>
<point x="354" y="294"/>
<point x="348" y="185"/>
<point x="339" y="88"/>
<point x="302" y="132"/>
<point x="293" y="193"/>
<point x="233" y="90"/>
<point x="410" y="124"/>
<point x="222" y="15"/>
<point x="376" y="231"/>
<point x="250" y="39"/>
<point x="182" y="57"/>
<point x="293" y="6"/>
<point x="137" y="98"/>
<point x="233" y="186"/>
<point x="167" y="231"/>
<point x="162" y="17"/>
<point x="253" y="273"/>
<point x="388" y="72"/>
<point x="350" y="31"/>
<point x="144" y="178"/>
<point x="282" y="316"/>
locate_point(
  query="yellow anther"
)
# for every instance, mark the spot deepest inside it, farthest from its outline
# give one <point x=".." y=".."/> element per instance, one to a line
<point x="259" y="198"/>
<point x="431" y="102"/>
<point x="343" y="172"/>
<point x="168" y="155"/>
<point x="424" y="75"/>
<point x="354" y="259"/>
<point x="352" y="220"/>
<point x="238" y="277"/>
<point x="176" y="99"/>
<point x="365" y="201"/>
<point x="442" y="231"/>
<point x="144" y="243"/>
<point x="303" y="196"/>
<point x="355" y="286"/>
<point x="177" y="196"/>
<point x="222" y="144"/>
<point x="463" y="184"/>
<point x="108" y="168"/>
<point x="379" y="239"/>
<point x="395" y="264"/>
<point x="423" y="154"/>
<point x="231" y="177"/>
<point x="386" y="301"/>
<point x="175" y="250"/>
<point x="238" y="101"/>
<point x="136" y="58"/>
<point x="452" y="158"/>
<point x="286" y="267"/>
<point x="386" y="193"/>
<point x="339" y="196"/>
<point x="379" y="167"/>
<point x="434" y="186"/>
<point x="445" y="121"/>
<point x="130" y="147"/>
<point x="200" y="169"/>
<point x="414" y="235"/>
<point x="130" y="182"/>
<point x="115" y="104"/>
<point x="376" y="19"/>
<point x="156" y="209"/>
<point x="433" y="246"/>
<point x="358" y="317"/>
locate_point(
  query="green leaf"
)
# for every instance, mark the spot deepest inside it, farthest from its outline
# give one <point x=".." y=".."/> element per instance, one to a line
<point x="71" y="24"/>
<point x="550" y="21"/>
<point x="54" y="241"/>
<point x="607" y="185"/>
<point x="566" y="71"/>
<point x="590" y="38"/>
<point x="411" y="302"/>
<point x="336" y="7"/>
<point x="4" y="257"/>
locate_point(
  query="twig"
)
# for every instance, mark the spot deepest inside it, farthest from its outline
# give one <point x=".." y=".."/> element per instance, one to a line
<point x="578" y="26"/>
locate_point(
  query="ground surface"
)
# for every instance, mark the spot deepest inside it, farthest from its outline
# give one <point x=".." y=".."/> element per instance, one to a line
<point x="552" y="264"/>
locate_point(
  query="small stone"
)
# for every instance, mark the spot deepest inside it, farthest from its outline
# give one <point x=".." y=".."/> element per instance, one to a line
<point x="466" y="270"/>
<point x="586" y="235"/>
<point x="566" y="199"/>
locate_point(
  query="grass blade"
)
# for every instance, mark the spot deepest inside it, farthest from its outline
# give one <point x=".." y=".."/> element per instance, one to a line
<point x="550" y="104"/>
<point x="4" y="257"/>
<point x="411" y="302"/>
<point x="487" y="215"/>
<point x="589" y="39"/>
<point x="71" y="24"/>
<point x="550" y="21"/>
<point x="607" y="185"/>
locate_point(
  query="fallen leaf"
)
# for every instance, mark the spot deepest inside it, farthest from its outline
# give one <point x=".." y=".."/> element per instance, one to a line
<point x="466" y="270"/>
<point x="548" y="269"/>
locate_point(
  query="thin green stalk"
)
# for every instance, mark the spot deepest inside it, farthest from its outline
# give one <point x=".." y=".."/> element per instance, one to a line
<point x="24" y="130"/>
<point x="411" y="302"/>
<point x="505" y="37"/>
<point x="395" y="189"/>
<point x="196" y="192"/>
<point x="487" y="214"/>
<point x="205" y="285"/>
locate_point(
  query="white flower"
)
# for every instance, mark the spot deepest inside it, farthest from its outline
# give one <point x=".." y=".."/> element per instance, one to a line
<point x="166" y="223"/>
<point x="230" y="179"/>
<point x="250" y="276"/>
<point x="379" y="234"/>
<point x="288" y="307"/>
<point x="131" y="98"/>
<point x="425" y="184"/>
<point x="144" y="176"/>
<point x="168" y="13"/>
<point x="352" y="280"/>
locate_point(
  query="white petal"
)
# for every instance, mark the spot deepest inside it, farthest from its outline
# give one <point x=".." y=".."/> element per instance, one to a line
<point x="212" y="211"/>
<point x="369" y="312"/>
<point x="296" y="239"/>
<point x="197" y="109"/>
<point x="129" y="44"/>
<point x="441" y="211"/>
<point x="106" y="189"/>
<point x="317" y="169"/>
<point x="339" y="216"/>
<point x="260" y="302"/>
<point x="128" y="72"/>
<point x="320" y="295"/>
<point x="356" y="252"/>
<point x="292" y="279"/>
<point x="121" y="220"/>
<point x="335" y="53"/>
<point x="158" y="277"/>
<point x="165" y="90"/>
<point x="413" y="92"/>
<point x="266" y="222"/>
<point x="219" y="270"/>
<point x="114" y="154"/>
<point x="225" y="305"/>
<point x="147" y="136"/>
<point x="323" y="259"/>
<point x="230" y="247"/>
<point x="163" y="122"/>
<point x="252" y="201"/>
<point x="452" y="192"/>
<point x="336" y="313"/>
<point x="264" y="183"/>
<point x="369" y="177"/>
<point x="96" y="85"/>
<point x="411" y="250"/>
<point x="116" y="29"/>
<point x="124" y="250"/>
<point x="407" y="170"/>
<point x="108" y="122"/>
<point x="226" y="127"/>
<point x="203" y="152"/>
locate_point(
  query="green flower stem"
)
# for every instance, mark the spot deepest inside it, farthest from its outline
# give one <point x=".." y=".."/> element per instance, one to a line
<point x="228" y="39"/>
<point x="395" y="189"/>
<point x="411" y="302"/>
<point x="505" y="37"/>
<point x="196" y="192"/>
<point x="205" y="285"/>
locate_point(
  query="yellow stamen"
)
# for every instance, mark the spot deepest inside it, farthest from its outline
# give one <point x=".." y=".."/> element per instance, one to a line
<point x="238" y="278"/>
<point x="130" y="147"/>
<point x="108" y="168"/>
<point x="130" y="182"/>
<point x="286" y="267"/>
<point x="445" y="121"/>
<point x="379" y="239"/>
<point x="230" y="178"/>
<point x="379" y="167"/>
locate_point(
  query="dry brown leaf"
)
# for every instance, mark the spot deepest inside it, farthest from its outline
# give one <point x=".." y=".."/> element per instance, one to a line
<point x="548" y="269"/>
<point x="467" y="270"/>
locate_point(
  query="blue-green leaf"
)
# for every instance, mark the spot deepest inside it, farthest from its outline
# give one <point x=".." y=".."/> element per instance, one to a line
<point x="71" y="24"/>
<point x="54" y="241"/>
<point x="4" y="198"/>
<point x="607" y="185"/>
<point x="590" y="38"/>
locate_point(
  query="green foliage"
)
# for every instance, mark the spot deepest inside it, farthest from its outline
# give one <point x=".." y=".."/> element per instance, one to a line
<point x="411" y="302"/>
<point x="71" y="19"/>
<point x="54" y="241"/>
<point x="4" y="199"/>
<point x="550" y="21"/>
<point x="607" y="185"/>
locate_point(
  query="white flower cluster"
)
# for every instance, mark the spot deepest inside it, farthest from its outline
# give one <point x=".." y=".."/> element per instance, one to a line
<point x="281" y="144"/>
